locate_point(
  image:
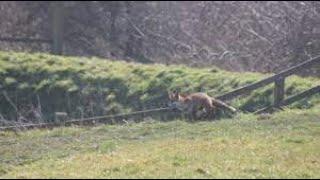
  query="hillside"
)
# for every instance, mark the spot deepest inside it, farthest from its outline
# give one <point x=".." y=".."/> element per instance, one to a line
<point x="281" y="145"/>
<point x="86" y="87"/>
<point x="284" y="145"/>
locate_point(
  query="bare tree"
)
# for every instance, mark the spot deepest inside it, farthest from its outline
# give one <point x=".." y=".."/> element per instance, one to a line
<point x="239" y="36"/>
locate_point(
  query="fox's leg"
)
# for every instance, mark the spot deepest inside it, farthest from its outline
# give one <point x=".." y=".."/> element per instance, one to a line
<point x="187" y="112"/>
<point x="213" y="112"/>
<point x="194" y="114"/>
<point x="210" y="112"/>
<point x="201" y="113"/>
<point x="193" y="111"/>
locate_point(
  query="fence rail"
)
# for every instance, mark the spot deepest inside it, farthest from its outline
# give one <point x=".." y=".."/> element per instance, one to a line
<point x="279" y="86"/>
<point x="291" y="99"/>
<point x="269" y="80"/>
<point x="81" y="120"/>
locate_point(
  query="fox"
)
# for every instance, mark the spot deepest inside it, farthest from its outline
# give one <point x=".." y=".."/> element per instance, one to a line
<point x="194" y="102"/>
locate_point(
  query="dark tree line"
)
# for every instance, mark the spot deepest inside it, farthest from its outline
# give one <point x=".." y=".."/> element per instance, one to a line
<point x="239" y="36"/>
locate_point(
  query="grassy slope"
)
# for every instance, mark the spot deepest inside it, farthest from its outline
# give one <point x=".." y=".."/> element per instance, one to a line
<point x="93" y="86"/>
<point x="285" y="145"/>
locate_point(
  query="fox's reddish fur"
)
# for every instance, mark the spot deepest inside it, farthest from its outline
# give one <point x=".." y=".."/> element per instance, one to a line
<point x="195" y="101"/>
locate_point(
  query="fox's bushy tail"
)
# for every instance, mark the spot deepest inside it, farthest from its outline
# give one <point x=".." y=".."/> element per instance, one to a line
<point x="221" y="104"/>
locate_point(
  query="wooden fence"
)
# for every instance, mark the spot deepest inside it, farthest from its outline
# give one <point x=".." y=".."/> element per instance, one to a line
<point x="279" y="86"/>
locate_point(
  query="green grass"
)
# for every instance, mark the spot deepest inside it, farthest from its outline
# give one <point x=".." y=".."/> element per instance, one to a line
<point x="283" y="145"/>
<point x="93" y="86"/>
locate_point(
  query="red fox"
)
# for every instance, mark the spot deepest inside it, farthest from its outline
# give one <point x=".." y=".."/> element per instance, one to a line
<point x="197" y="101"/>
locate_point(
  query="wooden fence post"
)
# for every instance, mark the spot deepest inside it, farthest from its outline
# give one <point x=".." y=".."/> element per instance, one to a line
<point x="278" y="91"/>
<point x="61" y="118"/>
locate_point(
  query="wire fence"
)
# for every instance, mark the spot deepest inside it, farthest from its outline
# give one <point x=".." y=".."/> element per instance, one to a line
<point x="94" y="118"/>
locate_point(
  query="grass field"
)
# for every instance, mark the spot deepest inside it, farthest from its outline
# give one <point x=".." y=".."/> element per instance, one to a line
<point x="283" y="145"/>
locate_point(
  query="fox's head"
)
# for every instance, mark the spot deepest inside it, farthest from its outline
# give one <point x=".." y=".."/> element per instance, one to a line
<point x="173" y="99"/>
<point x="177" y="100"/>
<point x="173" y="96"/>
